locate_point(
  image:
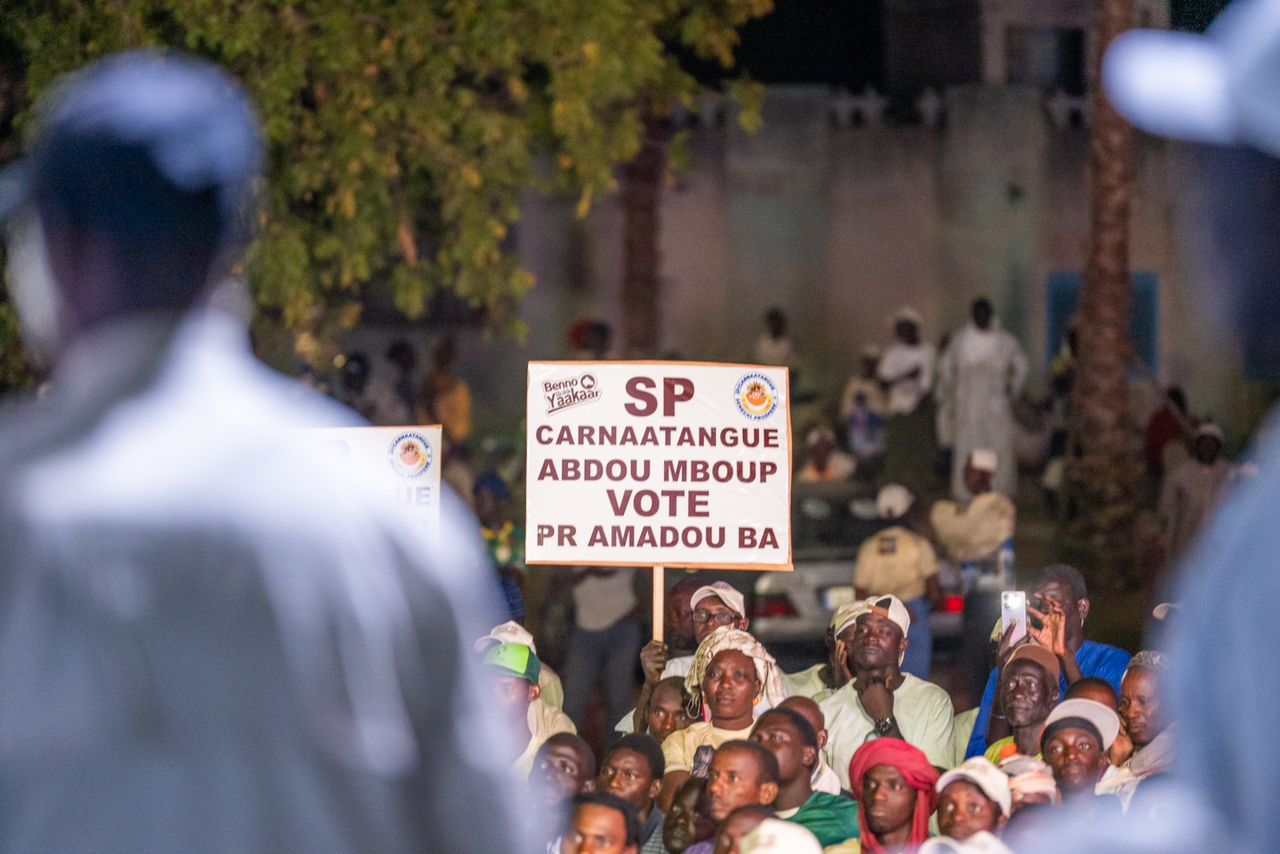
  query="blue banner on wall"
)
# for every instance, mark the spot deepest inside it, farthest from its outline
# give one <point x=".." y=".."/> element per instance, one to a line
<point x="1062" y="295"/>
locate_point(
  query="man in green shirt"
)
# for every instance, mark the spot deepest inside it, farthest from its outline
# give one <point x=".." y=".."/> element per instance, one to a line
<point x="790" y="737"/>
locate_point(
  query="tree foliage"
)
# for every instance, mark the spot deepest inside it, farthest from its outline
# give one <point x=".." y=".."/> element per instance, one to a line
<point x="401" y="134"/>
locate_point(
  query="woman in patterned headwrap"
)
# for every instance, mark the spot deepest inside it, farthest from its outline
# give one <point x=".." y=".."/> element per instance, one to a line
<point x="893" y="784"/>
<point x="733" y="679"/>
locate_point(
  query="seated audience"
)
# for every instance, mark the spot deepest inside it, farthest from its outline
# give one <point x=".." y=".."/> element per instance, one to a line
<point x="1075" y="742"/>
<point x="687" y="821"/>
<point x="824" y="462"/>
<point x="880" y="700"/>
<point x="736" y="679"/>
<point x="791" y="739"/>
<point x="563" y="768"/>
<point x="1063" y="596"/>
<point x="549" y="685"/>
<point x="1031" y="782"/>
<point x="1143" y="717"/>
<point x="705" y="608"/>
<point x="601" y="824"/>
<point x="824" y="779"/>
<point x="893" y="784"/>
<point x="901" y="562"/>
<point x="656" y="657"/>
<point x="632" y="769"/>
<point x="513" y="670"/>
<point x="742" y="773"/>
<point x="972" y="799"/>
<point x="1027" y="693"/>
<point x="740" y="822"/>
<point x="772" y="836"/>
<point x="668" y="709"/>
<point x="1094" y="688"/>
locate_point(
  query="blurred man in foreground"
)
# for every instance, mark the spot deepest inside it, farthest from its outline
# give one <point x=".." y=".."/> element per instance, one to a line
<point x="1218" y="89"/>
<point x="210" y="639"/>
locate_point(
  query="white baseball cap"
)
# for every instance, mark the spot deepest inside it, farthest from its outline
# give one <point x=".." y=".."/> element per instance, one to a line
<point x="1209" y="429"/>
<point x="818" y="434"/>
<point x="725" y="592"/>
<point x="1105" y="721"/>
<point x="1220" y="87"/>
<point x="508" y="632"/>
<point x="887" y="606"/>
<point x="984" y="459"/>
<point x="977" y="770"/>
<point x="775" y="836"/>
<point x="893" y="500"/>
<point x="907" y="314"/>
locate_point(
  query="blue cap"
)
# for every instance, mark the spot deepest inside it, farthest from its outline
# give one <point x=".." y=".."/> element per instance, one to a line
<point x="137" y="123"/>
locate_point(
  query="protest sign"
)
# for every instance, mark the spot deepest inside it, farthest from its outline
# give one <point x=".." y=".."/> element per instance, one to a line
<point x="406" y="459"/>
<point x="657" y="464"/>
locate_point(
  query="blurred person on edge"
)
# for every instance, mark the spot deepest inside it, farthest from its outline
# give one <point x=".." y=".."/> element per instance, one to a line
<point x="210" y="609"/>
<point x="1218" y="90"/>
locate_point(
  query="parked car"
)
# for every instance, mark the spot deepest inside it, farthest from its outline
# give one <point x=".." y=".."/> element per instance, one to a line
<point x="829" y="522"/>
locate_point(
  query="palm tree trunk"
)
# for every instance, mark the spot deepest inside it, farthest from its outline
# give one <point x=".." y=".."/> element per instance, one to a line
<point x="1105" y="476"/>
<point x="641" y="285"/>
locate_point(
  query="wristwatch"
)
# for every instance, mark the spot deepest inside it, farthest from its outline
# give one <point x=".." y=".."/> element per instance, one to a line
<point x="885" y="726"/>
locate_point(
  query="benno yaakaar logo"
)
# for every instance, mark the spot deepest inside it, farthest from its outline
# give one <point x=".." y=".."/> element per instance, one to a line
<point x="561" y="394"/>
<point x="409" y="455"/>
<point x="756" y="396"/>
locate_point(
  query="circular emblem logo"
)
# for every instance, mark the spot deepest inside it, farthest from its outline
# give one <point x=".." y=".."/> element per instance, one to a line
<point x="409" y="455"/>
<point x="756" y="396"/>
<point x="588" y="381"/>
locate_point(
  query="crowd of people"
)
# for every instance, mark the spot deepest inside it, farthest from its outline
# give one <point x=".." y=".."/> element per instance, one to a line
<point x="245" y="649"/>
<point x="726" y="752"/>
<point x="720" y="750"/>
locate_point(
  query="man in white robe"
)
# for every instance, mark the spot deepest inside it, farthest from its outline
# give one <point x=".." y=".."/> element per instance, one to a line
<point x="983" y="370"/>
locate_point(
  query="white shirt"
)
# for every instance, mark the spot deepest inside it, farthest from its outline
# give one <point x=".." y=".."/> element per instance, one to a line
<point x="900" y="359"/>
<point x="923" y="711"/>
<point x="211" y="641"/>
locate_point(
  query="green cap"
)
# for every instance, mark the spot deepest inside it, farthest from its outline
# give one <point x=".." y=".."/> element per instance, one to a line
<point x="513" y="659"/>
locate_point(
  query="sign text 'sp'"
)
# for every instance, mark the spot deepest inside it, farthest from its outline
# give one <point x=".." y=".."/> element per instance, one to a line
<point x="658" y="463"/>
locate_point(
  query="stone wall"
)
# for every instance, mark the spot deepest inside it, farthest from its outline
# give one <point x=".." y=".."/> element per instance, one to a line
<point x="840" y="226"/>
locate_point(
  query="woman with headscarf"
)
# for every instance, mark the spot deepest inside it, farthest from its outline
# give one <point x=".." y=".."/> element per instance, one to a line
<point x="733" y="679"/>
<point x="893" y="784"/>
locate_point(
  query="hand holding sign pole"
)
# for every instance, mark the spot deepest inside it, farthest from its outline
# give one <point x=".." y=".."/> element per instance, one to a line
<point x="658" y="464"/>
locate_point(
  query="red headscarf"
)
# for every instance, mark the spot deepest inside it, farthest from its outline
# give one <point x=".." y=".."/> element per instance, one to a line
<point x="914" y="767"/>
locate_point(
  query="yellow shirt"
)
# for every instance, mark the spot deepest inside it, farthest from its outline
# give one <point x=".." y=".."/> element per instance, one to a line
<point x="679" y="748"/>
<point x="895" y="561"/>
<point x="544" y="722"/>
<point x="552" y="688"/>
<point x="806" y="683"/>
<point x="976" y="530"/>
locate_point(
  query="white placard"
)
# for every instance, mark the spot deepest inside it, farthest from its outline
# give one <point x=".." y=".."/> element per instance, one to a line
<point x="658" y="464"/>
<point x="407" y="459"/>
